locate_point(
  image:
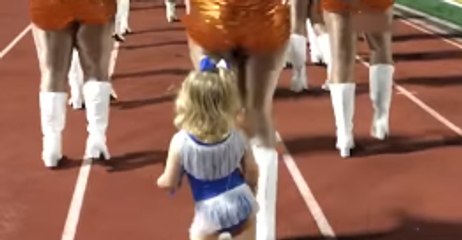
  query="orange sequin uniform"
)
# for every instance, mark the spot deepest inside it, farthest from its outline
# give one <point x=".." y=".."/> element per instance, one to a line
<point x="57" y="14"/>
<point x="248" y="25"/>
<point x="356" y="5"/>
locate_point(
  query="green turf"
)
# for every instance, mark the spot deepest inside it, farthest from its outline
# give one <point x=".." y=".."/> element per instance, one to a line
<point x="436" y="8"/>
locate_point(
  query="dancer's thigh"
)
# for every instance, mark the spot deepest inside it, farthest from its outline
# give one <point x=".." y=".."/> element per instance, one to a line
<point x="95" y="45"/>
<point x="343" y="45"/>
<point x="299" y="14"/>
<point x="380" y="43"/>
<point x="54" y="50"/>
<point x="262" y="73"/>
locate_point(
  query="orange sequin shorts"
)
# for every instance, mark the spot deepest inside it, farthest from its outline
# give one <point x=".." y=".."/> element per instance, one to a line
<point x="252" y="26"/>
<point x="58" y="14"/>
<point x="356" y="5"/>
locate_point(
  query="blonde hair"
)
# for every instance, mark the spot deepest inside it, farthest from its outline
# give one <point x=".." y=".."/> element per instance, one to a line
<point x="207" y="104"/>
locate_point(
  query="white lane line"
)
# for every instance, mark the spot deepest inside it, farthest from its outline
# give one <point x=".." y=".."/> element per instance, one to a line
<point x="75" y="208"/>
<point x="73" y="216"/>
<point x="424" y="30"/>
<point x="429" y="110"/>
<point x="15" y="41"/>
<point x="312" y="204"/>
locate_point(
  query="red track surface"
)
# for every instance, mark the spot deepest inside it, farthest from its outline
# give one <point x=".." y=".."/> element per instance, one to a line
<point x="406" y="188"/>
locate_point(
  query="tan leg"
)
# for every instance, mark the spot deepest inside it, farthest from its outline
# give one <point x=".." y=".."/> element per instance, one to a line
<point x="249" y="232"/>
<point x="262" y="74"/>
<point x="320" y="40"/>
<point x="380" y="42"/>
<point x="299" y="13"/>
<point x="381" y="72"/>
<point x="196" y="52"/>
<point x="311" y="21"/>
<point x="95" y="47"/>
<point x="187" y="4"/>
<point x="214" y="237"/>
<point x="317" y="20"/>
<point x="296" y="51"/>
<point x="317" y="17"/>
<point x="261" y="77"/>
<point x="342" y="87"/>
<point x="343" y="46"/>
<point x="54" y="49"/>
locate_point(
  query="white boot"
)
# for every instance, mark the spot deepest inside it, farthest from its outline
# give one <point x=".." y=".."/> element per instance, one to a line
<point x="315" y="51"/>
<point x="75" y="77"/>
<point x="380" y="92"/>
<point x="97" y="96"/>
<point x="170" y="8"/>
<point x="53" y="120"/>
<point x="299" y="79"/>
<point x="267" y="161"/>
<point x="343" y="103"/>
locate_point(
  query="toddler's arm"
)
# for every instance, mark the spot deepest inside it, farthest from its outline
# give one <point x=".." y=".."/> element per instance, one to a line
<point x="171" y="176"/>
<point x="250" y="168"/>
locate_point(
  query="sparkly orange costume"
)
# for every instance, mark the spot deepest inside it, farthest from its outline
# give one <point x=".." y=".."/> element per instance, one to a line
<point x="248" y="25"/>
<point x="356" y="5"/>
<point x="57" y="14"/>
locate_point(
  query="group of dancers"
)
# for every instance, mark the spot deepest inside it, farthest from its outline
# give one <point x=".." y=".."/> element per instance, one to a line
<point x="332" y="29"/>
<point x="226" y="143"/>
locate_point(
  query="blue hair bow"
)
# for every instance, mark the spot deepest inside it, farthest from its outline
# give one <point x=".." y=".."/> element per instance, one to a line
<point x="208" y="64"/>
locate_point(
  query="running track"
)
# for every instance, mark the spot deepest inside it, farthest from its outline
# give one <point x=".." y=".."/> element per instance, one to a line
<point x="406" y="188"/>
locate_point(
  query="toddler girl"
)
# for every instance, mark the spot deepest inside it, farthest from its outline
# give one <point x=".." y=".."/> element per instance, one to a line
<point x="213" y="154"/>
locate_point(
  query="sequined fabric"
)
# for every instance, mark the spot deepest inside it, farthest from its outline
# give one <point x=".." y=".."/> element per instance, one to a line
<point x="248" y="25"/>
<point x="356" y="5"/>
<point x="57" y="14"/>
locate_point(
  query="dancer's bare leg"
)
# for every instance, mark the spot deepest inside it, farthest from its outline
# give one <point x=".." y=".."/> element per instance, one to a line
<point x="381" y="76"/>
<point x="262" y="74"/>
<point x="95" y="45"/>
<point x="187" y="4"/>
<point x="313" y="20"/>
<point x="54" y="49"/>
<point x="342" y="86"/>
<point x="296" y="51"/>
<point x="320" y="38"/>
